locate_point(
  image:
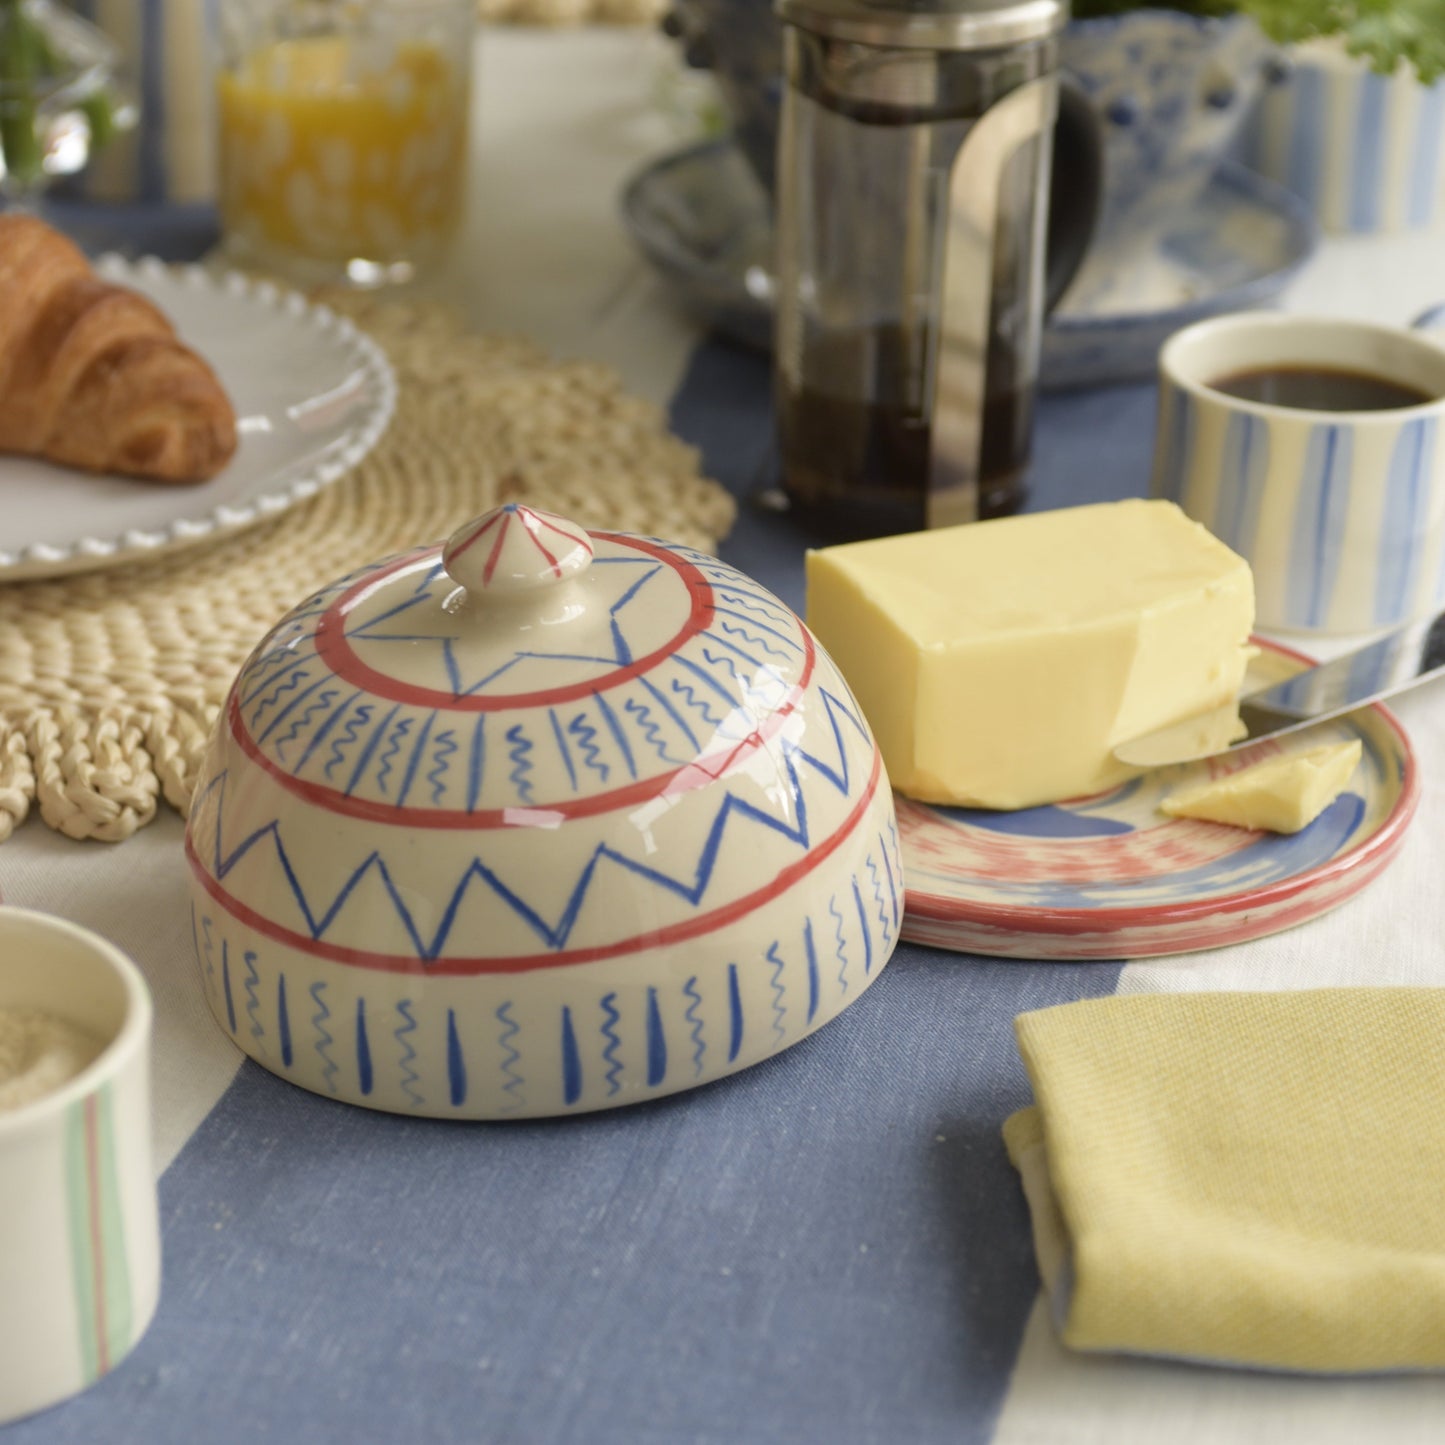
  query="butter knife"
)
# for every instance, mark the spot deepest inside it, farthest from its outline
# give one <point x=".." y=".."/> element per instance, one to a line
<point x="1390" y="664"/>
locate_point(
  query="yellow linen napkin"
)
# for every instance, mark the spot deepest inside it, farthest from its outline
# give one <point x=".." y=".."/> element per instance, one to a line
<point x="1241" y="1178"/>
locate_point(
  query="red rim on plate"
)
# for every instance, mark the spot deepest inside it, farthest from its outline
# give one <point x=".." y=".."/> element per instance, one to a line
<point x="1068" y="909"/>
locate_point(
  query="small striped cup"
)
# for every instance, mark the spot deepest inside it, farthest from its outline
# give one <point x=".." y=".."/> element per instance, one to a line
<point x="79" y="1236"/>
<point x="1341" y="515"/>
<point x="1365" y="151"/>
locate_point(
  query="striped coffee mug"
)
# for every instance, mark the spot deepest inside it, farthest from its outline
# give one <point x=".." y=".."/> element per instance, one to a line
<point x="79" y="1237"/>
<point x="1341" y="514"/>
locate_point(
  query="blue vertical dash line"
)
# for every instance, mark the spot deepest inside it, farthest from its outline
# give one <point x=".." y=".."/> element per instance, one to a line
<point x="456" y="1064"/>
<point x="656" y="1042"/>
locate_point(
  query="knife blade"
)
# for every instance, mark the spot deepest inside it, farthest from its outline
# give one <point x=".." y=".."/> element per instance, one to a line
<point x="1390" y="664"/>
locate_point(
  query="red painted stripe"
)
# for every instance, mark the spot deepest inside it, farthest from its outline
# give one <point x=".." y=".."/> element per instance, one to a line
<point x="532" y="523"/>
<point x="334" y="648"/>
<point x="695" y="927"/>
<point x="97" y="1241"/>
<point x="470" y="542"/>
<point x="697" y="774"/>
<point x="496" y="551"/>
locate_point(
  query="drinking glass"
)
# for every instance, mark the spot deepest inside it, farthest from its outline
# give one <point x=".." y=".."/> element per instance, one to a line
<point x="343" y="134"/>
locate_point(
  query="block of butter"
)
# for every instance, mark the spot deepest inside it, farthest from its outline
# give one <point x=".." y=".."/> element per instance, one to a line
<point x="1278" y="795"/>
<point x="1000" y="663"/>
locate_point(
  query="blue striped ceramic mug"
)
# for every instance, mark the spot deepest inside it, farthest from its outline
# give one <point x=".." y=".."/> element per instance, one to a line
<point x="1341" y="514"/>
<point x="1365" y="151"/>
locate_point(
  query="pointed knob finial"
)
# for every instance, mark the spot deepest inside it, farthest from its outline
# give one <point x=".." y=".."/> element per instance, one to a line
<point x="516" y="549"/>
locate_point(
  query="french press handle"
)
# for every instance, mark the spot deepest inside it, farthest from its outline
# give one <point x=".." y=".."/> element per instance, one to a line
<point x="961" y="360"/>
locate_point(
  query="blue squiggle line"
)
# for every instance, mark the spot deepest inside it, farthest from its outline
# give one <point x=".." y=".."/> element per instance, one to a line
<point x="409" y="1075"/>
<point x="734" y="631"/>
<point x="512" y="1088"/>
<point x="353" y="727"/>
<point x="253" y="1003"/>
<point x="878" y="897"/>
<point x="651" y="731"/>
<point x="290" y="685"/>
<point x="521" y="746"/>
<point x="689" y="991"/>
<point x="779" y="1012"/>
<point x="310" y="711"/>
<point x="724" y="661"/>
<point x="210" y="959"/>
<point x="750" y="603"/>
<point x="383" y="769"/>
<point x="324" y="1041"/>
<point x="688" y="693"/>
<point x="842" y="953"/>
<point x="586" y="736"/>
<point x="445" y="747"/>
<point x="609" y="1032"/>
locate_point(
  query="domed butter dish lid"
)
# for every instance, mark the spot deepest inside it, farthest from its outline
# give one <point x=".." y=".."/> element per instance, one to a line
<point x="538" y="822"/>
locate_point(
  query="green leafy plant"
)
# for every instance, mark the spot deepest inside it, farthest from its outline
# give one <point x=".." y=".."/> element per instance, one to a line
<point x="1384" y="33"/>
<point x="30" y="71"/>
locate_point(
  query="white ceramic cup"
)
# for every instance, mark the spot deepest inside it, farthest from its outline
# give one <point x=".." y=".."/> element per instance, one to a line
<point x="79" y="1233"/>
<point x="1341" y="515"/>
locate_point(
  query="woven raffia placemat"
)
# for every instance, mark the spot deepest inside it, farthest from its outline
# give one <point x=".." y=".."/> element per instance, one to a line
<point x="109" y="681"/>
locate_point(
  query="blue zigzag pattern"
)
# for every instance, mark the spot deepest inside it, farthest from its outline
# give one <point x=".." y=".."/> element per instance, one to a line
<point x="446" y="745"/>
<point x="323" y="1034"/>
<point x="555" y="934"/>
<point x="401" y="1034"/>
<point x="776" y="982"/>
<point x="393" y="747"/>
<point x="586" y="736"/>
<point x="210" y="960"/>
<point x="303" y="719"/>
<point x="253" y="1004"/>
<point x="294" y="681"/>
<point x="733" y="630"/>
<point x="689" y="990"/>
<point x="354" y="724"/>
<point x="614" y="1043"/>
<point x="651" y="731"/>
<point x="877" y="878"/>
<point x="688" y="694"/>
<point x="520" y="747"/>
<point x="510" y="1055"/>
<point x="841" y="953"/>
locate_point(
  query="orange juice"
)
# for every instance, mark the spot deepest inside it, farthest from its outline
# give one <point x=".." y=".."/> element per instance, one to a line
<point x="333" y="153"/>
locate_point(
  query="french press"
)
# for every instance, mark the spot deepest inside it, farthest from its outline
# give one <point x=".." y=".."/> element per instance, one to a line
<point x="914" y="165"/>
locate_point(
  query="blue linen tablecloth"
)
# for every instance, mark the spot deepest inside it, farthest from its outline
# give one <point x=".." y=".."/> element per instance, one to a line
<point x="831" y="1246"/>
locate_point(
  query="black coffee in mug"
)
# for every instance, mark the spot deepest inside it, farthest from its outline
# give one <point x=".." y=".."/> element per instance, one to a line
<point x="1320" y="388"/>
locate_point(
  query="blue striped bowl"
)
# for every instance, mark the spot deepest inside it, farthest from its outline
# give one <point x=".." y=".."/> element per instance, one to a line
<point x="1365" y="151"/>
<point x="1340" y="514"/>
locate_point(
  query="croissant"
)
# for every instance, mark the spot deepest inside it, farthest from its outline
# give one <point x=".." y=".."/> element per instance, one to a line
<point x="92" y="375"/>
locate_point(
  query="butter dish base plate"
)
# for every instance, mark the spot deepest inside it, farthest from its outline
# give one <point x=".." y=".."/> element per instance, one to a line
<point x="702" y="220"/>
<point x="312" y="396"/>
<point x="1111" y="877"/>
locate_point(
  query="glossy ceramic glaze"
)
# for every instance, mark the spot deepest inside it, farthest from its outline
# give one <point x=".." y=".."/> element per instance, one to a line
<point x="541" y="822"/>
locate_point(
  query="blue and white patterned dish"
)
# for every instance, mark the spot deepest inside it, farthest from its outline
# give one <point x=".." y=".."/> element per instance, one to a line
<point x="703" y="221"/>
<point x="543" y="822"/>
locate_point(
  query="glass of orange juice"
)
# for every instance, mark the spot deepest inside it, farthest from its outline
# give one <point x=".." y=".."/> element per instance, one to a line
<point x="343" y="134"/>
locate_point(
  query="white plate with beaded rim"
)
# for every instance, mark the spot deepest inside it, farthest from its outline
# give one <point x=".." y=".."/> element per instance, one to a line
<point x="312" y="394"/>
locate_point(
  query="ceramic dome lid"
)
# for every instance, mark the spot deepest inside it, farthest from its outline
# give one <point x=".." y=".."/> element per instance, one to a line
<point x="531" y="669"/>
<point x="535" y="746"/>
